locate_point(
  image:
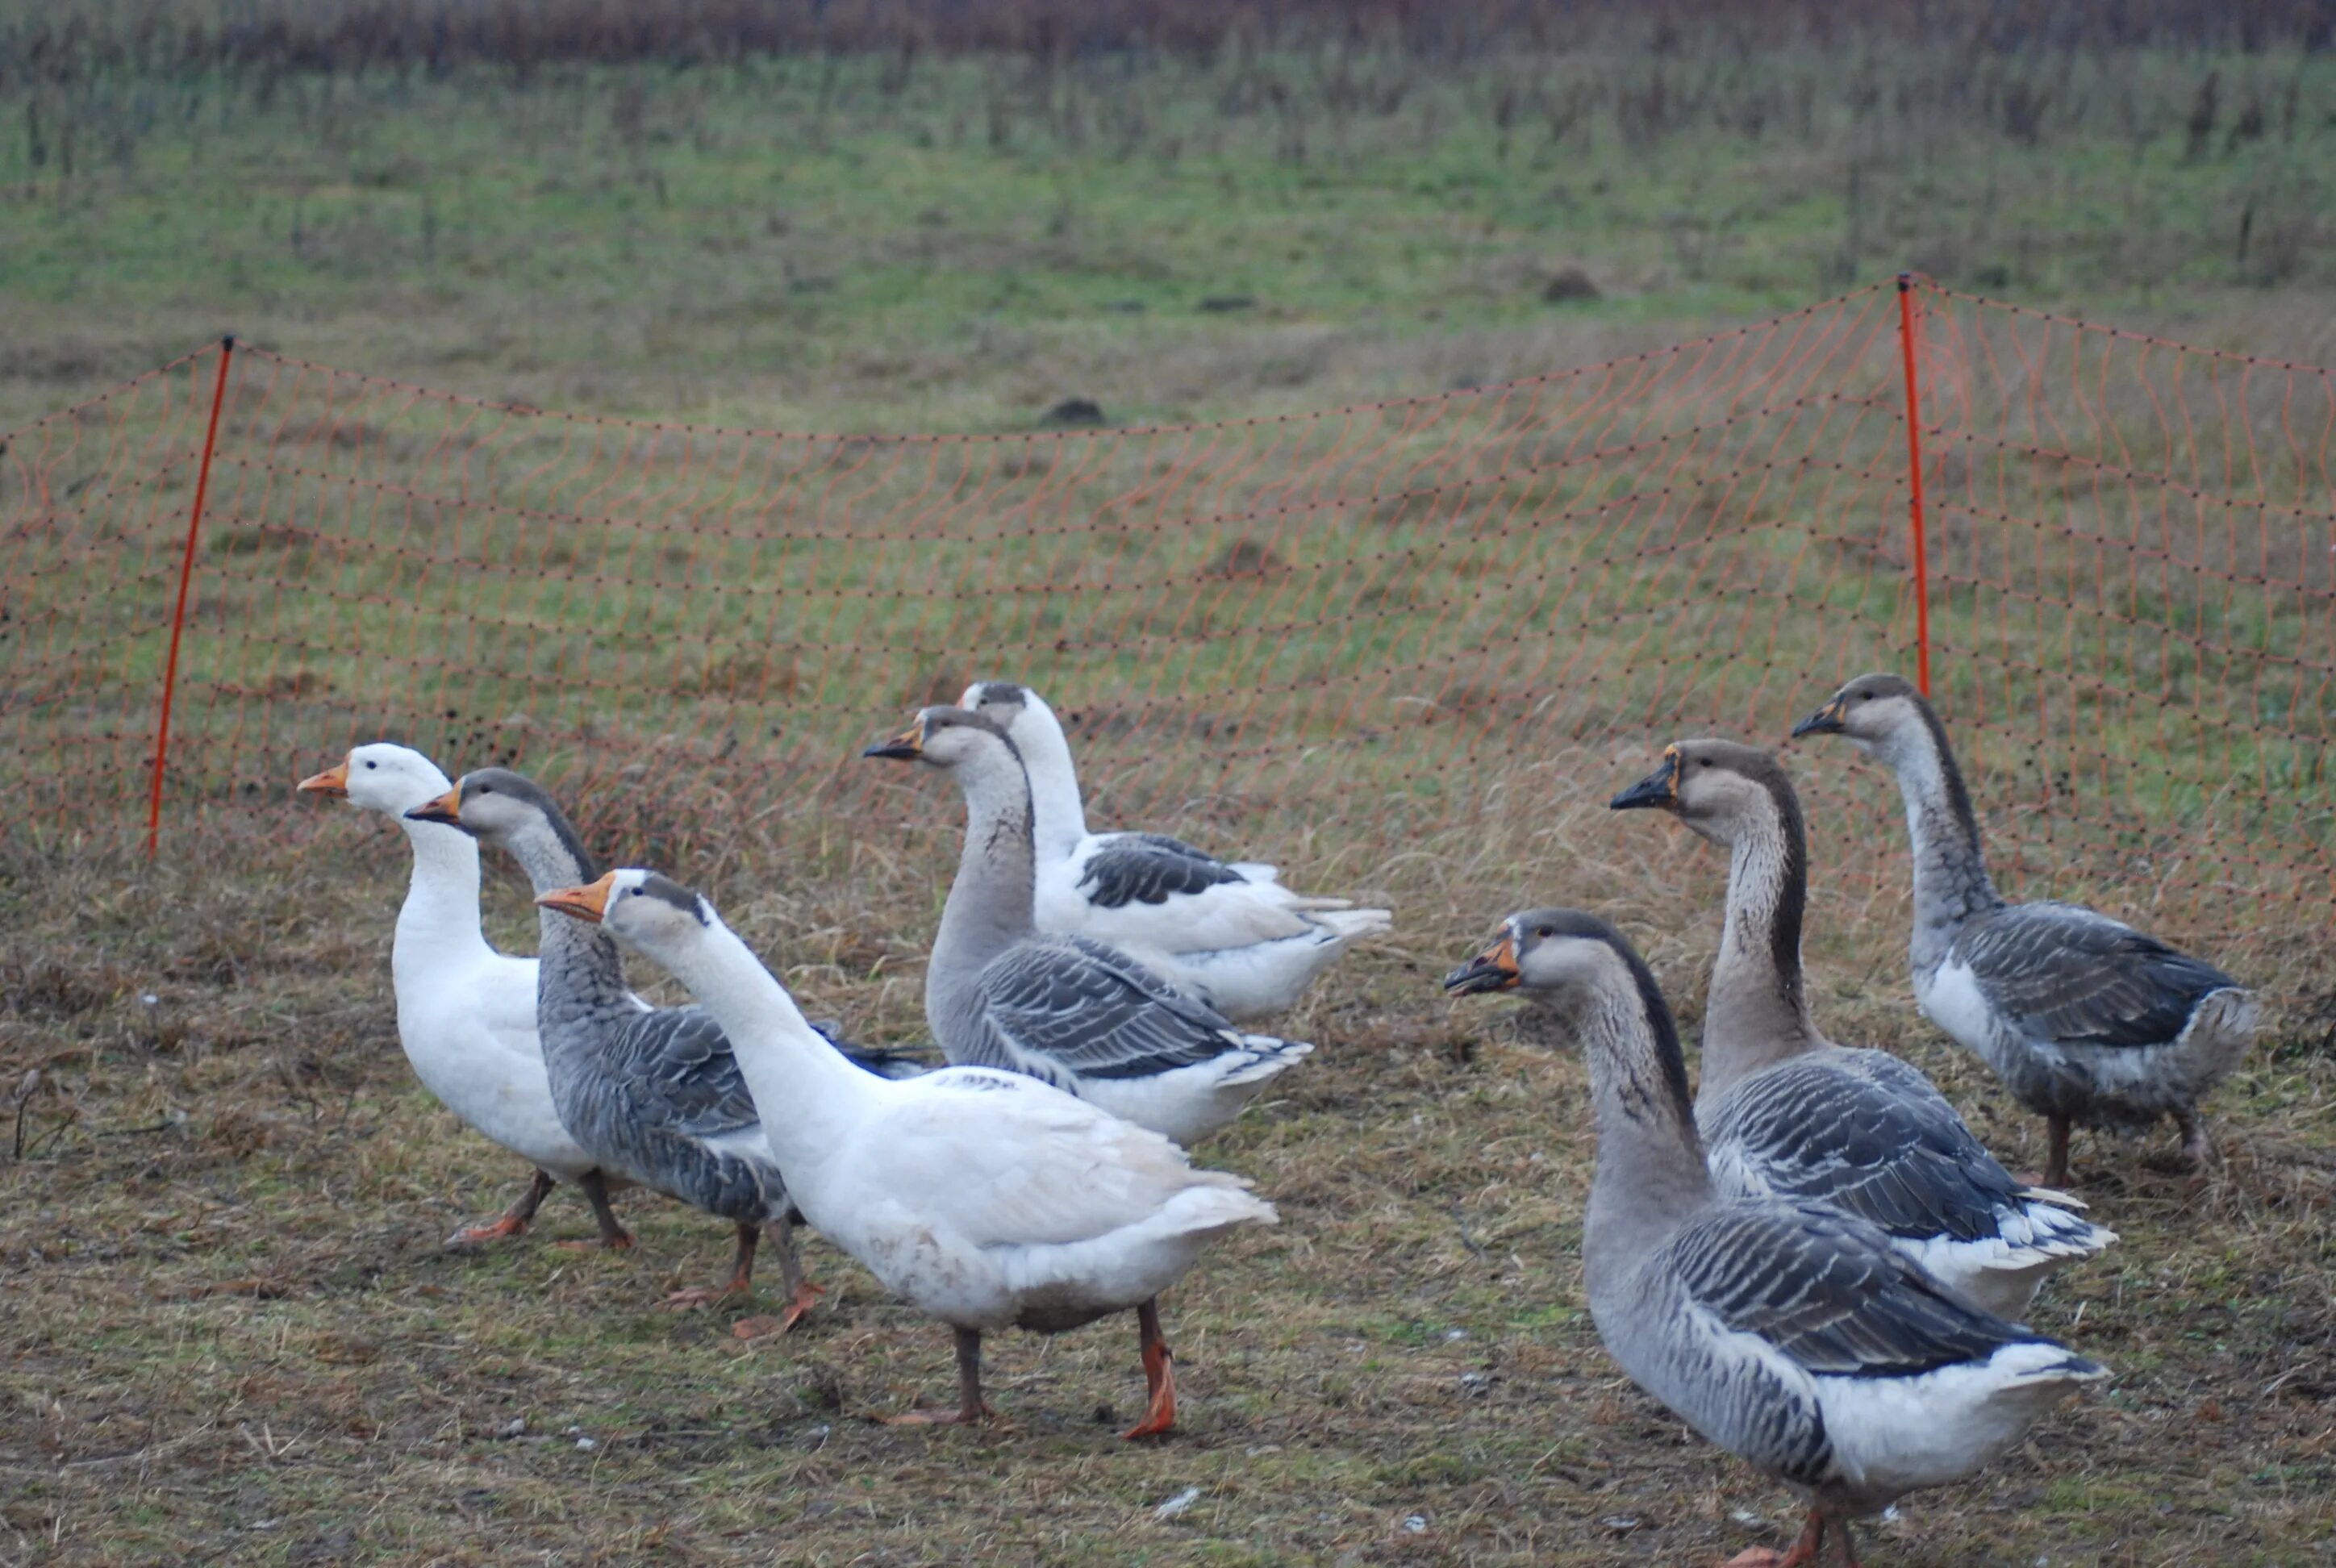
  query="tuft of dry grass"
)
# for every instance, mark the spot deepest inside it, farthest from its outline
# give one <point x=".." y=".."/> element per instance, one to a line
<point x="234" y="1334"/>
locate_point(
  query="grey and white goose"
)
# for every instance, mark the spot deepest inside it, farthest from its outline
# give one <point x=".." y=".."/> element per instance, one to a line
<point x="2087" y="1020"/>
<point x="1786" y="1113"/>
<point x="1079" y="1014"/>
<point x="1786" y="1332"/>
<point x="654" y="1096"/>
<point x="1226" y="932"/>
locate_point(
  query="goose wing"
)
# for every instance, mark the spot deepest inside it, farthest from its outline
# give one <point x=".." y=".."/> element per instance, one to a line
<point x="1828" y="1292"/>
<point x="1148" y="868"/>
<point x="1870" y="1135"/>
<point x="2063" y="973"/>
<point x="1077" y="1006"/>
<point x="679" y="1060"/>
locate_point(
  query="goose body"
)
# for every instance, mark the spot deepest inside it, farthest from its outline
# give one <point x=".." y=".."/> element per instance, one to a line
<point x="986" y="1199"/>
<point x="465" y="1012"/>
<point x="653" y="1094"/>
<point x="1225" y="932"/>
<point x="1785" y="1113"/>
<point x="2087" y="1021"/>
<point x="1794" y="1335"/>
<point x="1089" y="1019"/>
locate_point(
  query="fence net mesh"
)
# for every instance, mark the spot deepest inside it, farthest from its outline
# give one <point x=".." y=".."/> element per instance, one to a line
<point x="1369" y="613"/>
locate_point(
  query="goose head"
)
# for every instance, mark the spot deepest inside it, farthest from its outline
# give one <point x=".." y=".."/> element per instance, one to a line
<point x="954" y="740"/>
<point x="1550" y="955"/>
<point x="651" y="913"/>
<point x="381" y="776"/>
<point x="493" y="803"/>
<point x="1880" y="714"/>
<point x="1716" y="788"/>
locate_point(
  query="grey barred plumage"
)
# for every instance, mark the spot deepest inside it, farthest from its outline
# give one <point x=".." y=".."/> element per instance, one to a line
<point x="1786" y="1113"/>
<point x="2087" y="1021"/>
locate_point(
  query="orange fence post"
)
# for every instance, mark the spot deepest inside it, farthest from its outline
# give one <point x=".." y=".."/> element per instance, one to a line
<point x="179" y="616"/>
<point x="1915" y="484"/>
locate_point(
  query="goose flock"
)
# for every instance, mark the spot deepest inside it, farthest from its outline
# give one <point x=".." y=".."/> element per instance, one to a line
<point x="1810" y="1258"/>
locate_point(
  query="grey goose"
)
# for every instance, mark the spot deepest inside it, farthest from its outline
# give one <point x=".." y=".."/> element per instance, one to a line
<point x="1786" y="1112"/>
<point x="2087" y="1021"/>
<point x="1786" y="1331"/>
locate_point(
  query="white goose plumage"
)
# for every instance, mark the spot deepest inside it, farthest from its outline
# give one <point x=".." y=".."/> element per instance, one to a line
<point x="1785" y="1331"/>
<point x="465" y="1012"/>
<point x="985" y="1198"/>
<point x="1227" y="933"/>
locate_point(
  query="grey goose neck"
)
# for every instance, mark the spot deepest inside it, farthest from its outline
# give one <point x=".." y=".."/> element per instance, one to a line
<point x="1952" y="885"/>
<point x="990" y="903"/>
<point x="582" y="978"/>
<point x="1759" y="1010"/>
<point x="1650" y="1175"/>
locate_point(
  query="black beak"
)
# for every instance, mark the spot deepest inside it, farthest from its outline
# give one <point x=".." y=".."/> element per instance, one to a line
<point x="1827" y="720"/>
<point x="1658" y="788"/>
<point x="1494" y="970"/>
<point x="906" y="747"/>
<point x="447" y="808"/>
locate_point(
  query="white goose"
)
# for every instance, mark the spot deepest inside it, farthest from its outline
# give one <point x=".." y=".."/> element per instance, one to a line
<point x="1228" y="932"/>
<point x="1084" y="1016"/>
<point x="984" y="1198"/>
<point x="465" y="1012"/>
<point x="1783" y="1331"/>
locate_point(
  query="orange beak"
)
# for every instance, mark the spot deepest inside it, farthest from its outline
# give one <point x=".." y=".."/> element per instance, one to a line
<point x="447" y="808"/>
<point x="1494" y="970"/>
<point x="333" y="782"/>
<point x="585" y="903"/>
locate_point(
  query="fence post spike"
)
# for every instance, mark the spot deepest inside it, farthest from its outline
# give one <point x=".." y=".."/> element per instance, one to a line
<point x="178" y="616"/>
<point x="1907" y="351"/>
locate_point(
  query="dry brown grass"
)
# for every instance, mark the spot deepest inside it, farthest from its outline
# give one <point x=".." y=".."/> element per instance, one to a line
<point x="233" y="1334"/>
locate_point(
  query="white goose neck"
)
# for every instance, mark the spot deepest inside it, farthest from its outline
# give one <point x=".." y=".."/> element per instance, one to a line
<point x="1058" y="817"/>
<point x="440" y="918"/>
<point x="808" y="1096"/>
<point x="1759" y="1010"/>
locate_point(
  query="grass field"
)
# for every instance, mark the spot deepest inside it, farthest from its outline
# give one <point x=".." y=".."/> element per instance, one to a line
<point x="228" y="1329"/>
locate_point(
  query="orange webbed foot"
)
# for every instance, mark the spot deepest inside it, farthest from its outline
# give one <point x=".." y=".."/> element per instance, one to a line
<point x="1160" y="1412"/>
<point x="499" y="1230"/>
<point x="806" y="1295"/>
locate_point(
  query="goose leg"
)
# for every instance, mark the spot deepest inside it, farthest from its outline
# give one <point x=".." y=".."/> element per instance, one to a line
<point x="613" y="1235"/>
<point x="515" y="1219"/>
<point x="742" y="1274"/>
<point x="801" y="1292"/>
<point x="972" y="1410"/>
<point x="1159" y="1374"/>
<point x="1847" y="1556"/>
<point x="2196" y="1147"/>
<point x="1801" y="1554"/>
<point x="2056" y="1168"/>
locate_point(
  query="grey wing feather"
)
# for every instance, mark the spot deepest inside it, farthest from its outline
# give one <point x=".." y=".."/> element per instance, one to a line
<point x="1094" y="1010"/>
<point x="679" y="1058"/>
<point x="1829" y="1292"/>
<point x="2062" y="973"/>
<point x="1875" y="1140"/>
<point x="1150" y="868"/>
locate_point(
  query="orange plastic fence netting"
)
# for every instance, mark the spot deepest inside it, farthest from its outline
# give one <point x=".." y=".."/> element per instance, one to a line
<point x="1377" y="607"/>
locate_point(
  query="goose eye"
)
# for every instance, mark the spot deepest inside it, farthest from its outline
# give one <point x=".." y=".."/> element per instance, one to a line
<point x="372" y="764"/>
<point x="1544" y="931"/>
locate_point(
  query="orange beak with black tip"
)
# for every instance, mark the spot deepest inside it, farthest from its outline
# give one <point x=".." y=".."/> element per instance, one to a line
<point x="447" y="808"/>
<point x="586" y="903"/>
<point x="1827" y="720"/>
<point x="906" y="747"/>
<point x="1494" y="970"/>
<point x="333" y="782"/>
<point x="1658" y="788"/>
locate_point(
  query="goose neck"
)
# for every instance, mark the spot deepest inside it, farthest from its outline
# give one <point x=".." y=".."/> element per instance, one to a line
<point x="990" y="903"/>
<point x="1759" y="1010"/>
<point x="1650" y="1171"/>
<point x="581" y="977"/>
<point x="440" y="918"/>
<point x="1950" y="881"/>
<point x="807" y="1096"/>
<point x="1058" y="817"/>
